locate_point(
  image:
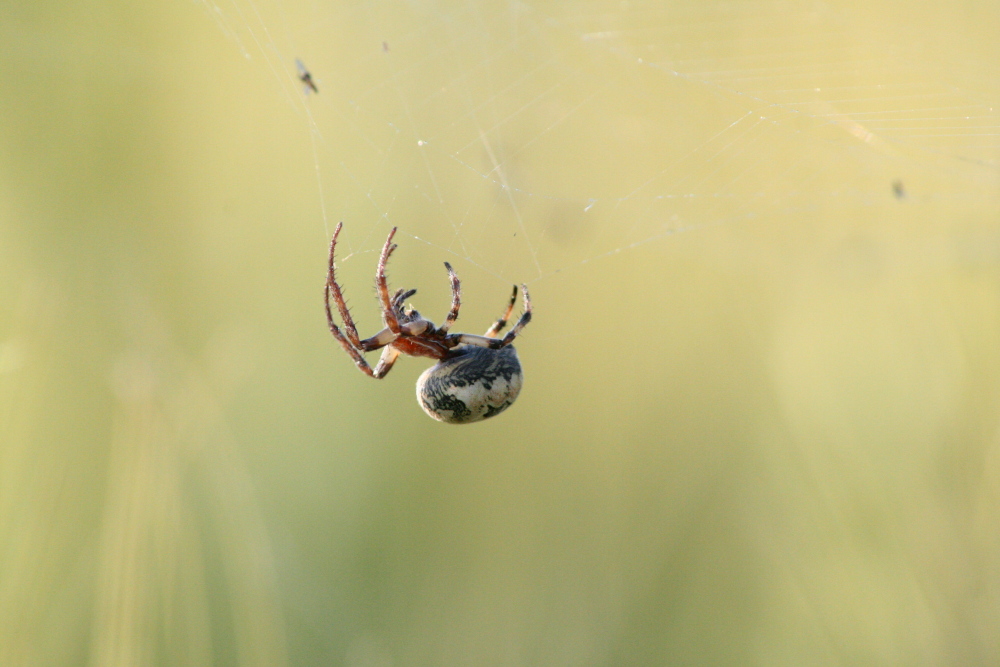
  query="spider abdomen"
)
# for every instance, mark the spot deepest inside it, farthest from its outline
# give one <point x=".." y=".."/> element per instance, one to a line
<point x="473" y="384"/>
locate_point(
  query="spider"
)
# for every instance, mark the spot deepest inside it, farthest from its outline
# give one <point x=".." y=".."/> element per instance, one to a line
<point x="475" y="377"/>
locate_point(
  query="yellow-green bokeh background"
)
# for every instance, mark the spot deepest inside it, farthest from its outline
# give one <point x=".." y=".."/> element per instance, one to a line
<point x="760" y="420"/>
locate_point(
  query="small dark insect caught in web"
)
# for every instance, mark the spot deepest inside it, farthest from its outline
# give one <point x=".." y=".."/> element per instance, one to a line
<point x="305" y="77"/>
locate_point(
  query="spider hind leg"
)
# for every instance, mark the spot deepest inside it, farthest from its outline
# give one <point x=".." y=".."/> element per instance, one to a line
<point x="502" y="322"/>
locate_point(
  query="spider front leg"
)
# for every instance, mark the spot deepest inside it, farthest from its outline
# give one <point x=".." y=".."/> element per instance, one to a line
<point x="359" y="359"/>
<point x="351" y="342"/>
<point x="338" y="296"/>
<point x="382" y="285"/>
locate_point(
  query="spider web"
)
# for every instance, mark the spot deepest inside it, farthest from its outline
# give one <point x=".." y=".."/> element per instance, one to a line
<point x="528" y="141"/>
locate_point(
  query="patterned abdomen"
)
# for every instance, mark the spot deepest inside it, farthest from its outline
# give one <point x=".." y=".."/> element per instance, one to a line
<point x="474" y="384"/>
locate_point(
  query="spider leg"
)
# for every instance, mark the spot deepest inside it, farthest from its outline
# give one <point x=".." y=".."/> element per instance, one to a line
<point x="381" y="339"/>
<point x="385" y="362"/>
<point x="521" y="323"/>
<point x="495" y="343"/>
<point x="338" y="296"/>
<point x="454" y="340"/>
<point x="382" y="286"/>
<point x="351" y="341"/>
<point x="456" y="299"/>
<point x="359" y="359"/>
<point x="502" y="322"/>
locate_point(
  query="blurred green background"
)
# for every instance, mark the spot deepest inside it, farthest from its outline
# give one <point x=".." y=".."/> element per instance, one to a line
<point x="760" y="418"/>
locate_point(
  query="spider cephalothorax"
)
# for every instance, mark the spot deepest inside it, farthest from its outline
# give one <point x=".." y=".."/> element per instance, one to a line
<point x="476" y="377"/>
